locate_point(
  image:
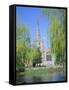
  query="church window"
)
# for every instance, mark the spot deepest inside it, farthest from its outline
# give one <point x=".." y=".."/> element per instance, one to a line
<point x="48" y="57"/>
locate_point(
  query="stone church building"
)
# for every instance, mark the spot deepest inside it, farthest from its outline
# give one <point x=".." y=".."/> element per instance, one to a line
<point x="47" y="57"/>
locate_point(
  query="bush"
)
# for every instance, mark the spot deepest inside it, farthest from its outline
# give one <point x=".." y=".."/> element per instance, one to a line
<point x="20" y="68"/>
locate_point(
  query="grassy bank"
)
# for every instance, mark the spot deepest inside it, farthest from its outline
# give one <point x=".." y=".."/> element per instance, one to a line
<point x="40" y="71"/>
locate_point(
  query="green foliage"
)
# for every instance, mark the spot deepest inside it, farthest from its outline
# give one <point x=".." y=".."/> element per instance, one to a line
<point x="39" y="71"/>
<point x="36" y="56"/>
<point x="25" y="54"/>
<point x="54" y="36"/>
<point x="23" y="34"/>
<point x="57" y="32"/>
<point x="22" y="46"/>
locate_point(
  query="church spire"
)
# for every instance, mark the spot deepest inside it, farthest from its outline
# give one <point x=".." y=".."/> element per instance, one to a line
<point x="37" y="32"/>
<point x="38" y="41"/>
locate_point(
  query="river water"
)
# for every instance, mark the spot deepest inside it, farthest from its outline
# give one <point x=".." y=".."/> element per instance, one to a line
<point x="51" y="77"/>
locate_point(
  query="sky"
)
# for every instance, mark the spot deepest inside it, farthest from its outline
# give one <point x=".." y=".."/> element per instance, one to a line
<point x="30" y="16"/>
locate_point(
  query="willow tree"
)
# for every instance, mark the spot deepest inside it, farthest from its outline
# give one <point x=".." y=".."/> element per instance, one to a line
<point x="22" y="45"/>
<point x="57" y="32"/>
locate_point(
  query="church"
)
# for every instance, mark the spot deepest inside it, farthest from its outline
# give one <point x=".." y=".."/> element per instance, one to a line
<point x="48" y="59"/>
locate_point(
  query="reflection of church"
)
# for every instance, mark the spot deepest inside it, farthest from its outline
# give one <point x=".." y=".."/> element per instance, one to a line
<point x="47" y="57"/>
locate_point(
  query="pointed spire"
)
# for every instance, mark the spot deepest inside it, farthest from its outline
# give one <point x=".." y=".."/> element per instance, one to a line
<point x="37" y="32"/>
<point x="38" y="41"/>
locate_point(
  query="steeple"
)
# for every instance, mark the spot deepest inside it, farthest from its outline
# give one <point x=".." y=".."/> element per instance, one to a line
<point x="38" y="41"/>
<point x="37" y="32"/>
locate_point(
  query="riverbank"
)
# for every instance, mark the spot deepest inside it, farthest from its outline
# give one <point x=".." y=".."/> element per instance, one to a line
<point x="41" y="71"/>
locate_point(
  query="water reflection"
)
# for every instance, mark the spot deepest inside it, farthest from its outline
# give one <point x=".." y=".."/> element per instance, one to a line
<point x="57" y="76"/>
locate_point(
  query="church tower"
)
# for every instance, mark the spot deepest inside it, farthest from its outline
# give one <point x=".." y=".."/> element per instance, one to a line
<point x="46" y="58"/>
<point x="38" y="41"/>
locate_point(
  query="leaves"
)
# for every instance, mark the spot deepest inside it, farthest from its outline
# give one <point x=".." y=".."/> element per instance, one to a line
<point x="25" y="54"/>
<point x="22" y="44"/>
<point x="57" y="32"/>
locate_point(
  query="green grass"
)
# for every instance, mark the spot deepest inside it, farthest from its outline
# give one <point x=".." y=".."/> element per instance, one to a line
<point x="40" y="71"/>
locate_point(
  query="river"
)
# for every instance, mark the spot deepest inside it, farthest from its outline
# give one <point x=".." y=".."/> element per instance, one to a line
<point x="51" y="77"/>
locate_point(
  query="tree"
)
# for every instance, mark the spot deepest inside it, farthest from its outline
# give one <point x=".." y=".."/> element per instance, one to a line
<point x="25" y="54"/>
<point x="36" y="56"/>
<point x="22" y="45"/>
<point x="57" y="32"/>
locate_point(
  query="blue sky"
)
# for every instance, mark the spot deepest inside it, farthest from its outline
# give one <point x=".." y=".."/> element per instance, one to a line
<point x="30" y="16"/>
